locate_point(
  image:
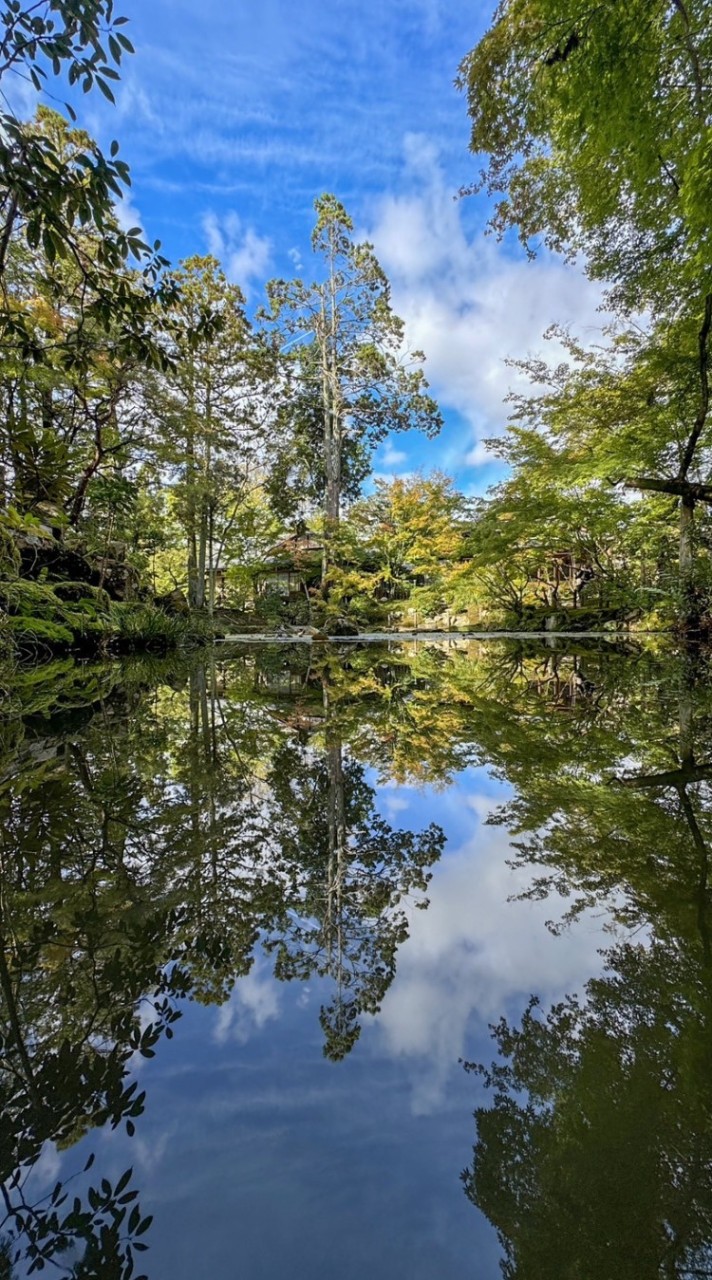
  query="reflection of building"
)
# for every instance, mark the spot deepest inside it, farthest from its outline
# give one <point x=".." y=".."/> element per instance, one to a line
<point x="292" y="564"/>
<point x="297" y="699"/>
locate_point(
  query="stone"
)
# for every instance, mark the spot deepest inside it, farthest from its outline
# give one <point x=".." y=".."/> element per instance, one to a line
<point x="173" y="602"/>
<point x="340" y="627"/>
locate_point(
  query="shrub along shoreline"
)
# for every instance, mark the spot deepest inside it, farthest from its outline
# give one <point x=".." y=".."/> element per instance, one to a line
<point x="45" y="618"/>
<point x="58" y="597"/>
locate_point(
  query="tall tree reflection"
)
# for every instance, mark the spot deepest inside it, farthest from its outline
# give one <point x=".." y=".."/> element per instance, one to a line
<point x="349" y="872"/>
<point x="150" y="844"/>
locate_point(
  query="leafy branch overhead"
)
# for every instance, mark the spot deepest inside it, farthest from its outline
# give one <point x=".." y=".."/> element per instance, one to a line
<point x="55" y="182"/>
<point x="594" y="126"/>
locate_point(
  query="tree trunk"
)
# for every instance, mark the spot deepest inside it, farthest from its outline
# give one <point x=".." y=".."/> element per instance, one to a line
<point x="331" y="398"/>
<point x="6" y="234"/>
<point x="332" y="506"/>
<point x="332" y="495"/>
<point x="202" y="557"/>
<point x="204" y="564"/>
<point x="336" y="872"/>
<point x="680" y="779"/>
<point x="690" y="610"/>
<point x="16" y="1026"/>
<point x="689" y="493"/>
<point x="212" y="566"/>
<point x="191" y="520"/>
<point x="80" y="493"/>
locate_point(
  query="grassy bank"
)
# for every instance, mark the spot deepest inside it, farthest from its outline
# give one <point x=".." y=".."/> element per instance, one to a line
<point x="40" y="619"/>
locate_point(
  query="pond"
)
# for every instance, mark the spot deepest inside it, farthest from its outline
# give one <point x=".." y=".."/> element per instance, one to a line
<point x="382" y="960"/>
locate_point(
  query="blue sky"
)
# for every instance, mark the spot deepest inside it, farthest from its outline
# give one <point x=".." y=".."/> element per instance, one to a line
<point x="235" y="116"/>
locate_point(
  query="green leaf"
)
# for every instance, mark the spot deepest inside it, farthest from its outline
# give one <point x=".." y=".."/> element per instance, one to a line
<point x="49" y="244"/>
<point x="103" y="86"/>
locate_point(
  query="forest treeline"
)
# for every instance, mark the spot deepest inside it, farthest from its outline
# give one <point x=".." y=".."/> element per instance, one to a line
<point x="171" y="463"/>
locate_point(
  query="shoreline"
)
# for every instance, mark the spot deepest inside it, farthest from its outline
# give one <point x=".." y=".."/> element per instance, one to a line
<point x="380" y="637"/>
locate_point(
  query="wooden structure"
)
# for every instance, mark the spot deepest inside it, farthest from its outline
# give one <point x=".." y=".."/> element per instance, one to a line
<point x="563" y="570"/>
<point x="292" y="564"/>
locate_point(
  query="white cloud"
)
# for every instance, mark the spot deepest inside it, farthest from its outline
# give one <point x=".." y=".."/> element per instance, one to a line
<point x="253" y="1003"/>
<point x="479" y="456"/>
<point x="472" y="954"/>
<point x="394" y="805"/>
<point x="20" y="96"/>
<point x="46" y="1170"/>
<point x="245" y="255"/>
<point x="133" y="103"/>
<point x="149" y="1155"/>
<point x="466" y="302"/>
<point x="278" y="102"/>
<point x="127" y="215"/>
<point x="389" y="456"/>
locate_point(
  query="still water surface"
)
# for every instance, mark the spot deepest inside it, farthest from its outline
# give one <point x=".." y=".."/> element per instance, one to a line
<point x="393" y="962"/>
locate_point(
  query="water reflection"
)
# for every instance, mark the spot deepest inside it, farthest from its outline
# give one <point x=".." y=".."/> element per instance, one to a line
<point x="148" y="847"/>
<point x="171" y="829"/>
<point x="594" y="1156"/>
